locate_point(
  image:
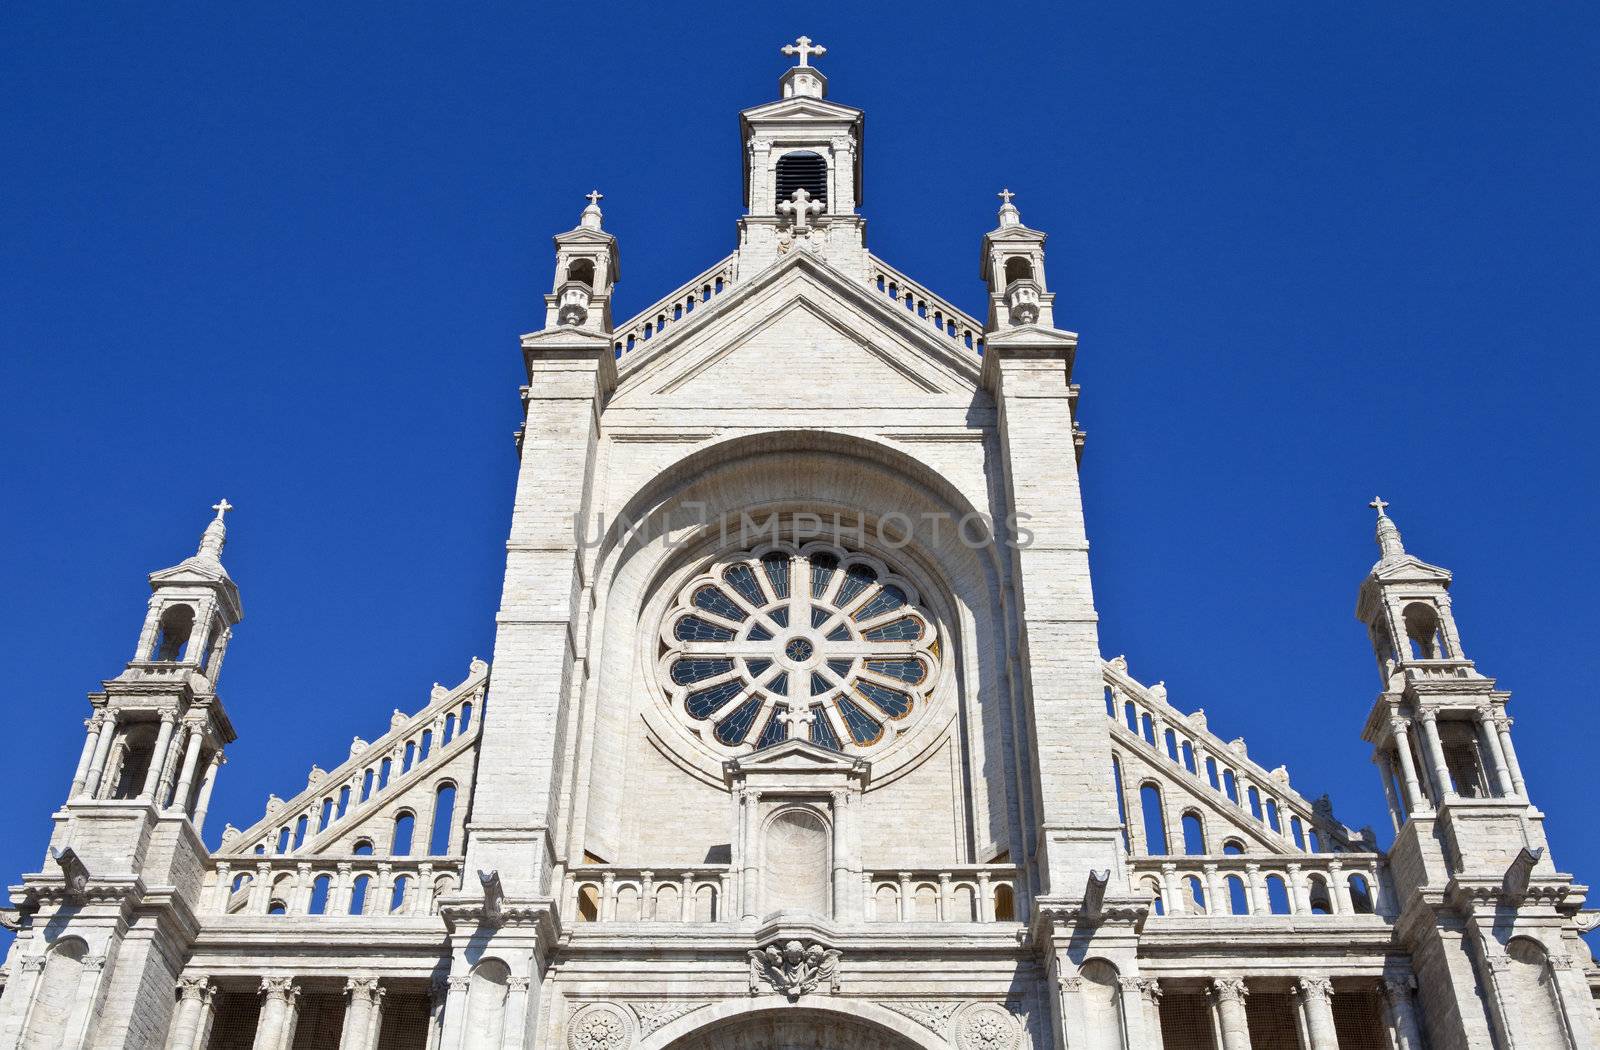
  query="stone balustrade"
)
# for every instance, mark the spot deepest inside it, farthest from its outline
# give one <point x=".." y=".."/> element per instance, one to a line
<point x="676" y="307"/>
<point x="1143" y="720"/>
<point x="612" y="893"/>
<point x="926" y="306"/>
<point x="413" y="746"/>
<point x="1263" y="884"/>
<point x="959" y="893"/>
<point x="332" y="886"/>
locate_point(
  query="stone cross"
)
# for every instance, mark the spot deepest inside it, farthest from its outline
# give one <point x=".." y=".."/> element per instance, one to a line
<point x="1005" y="196"/>
<point x="595" y="197"/>
<point x="804" y="48"/>
<point x="222" y="508"/>
<point x="800" y="210"/>
<point x="1378" y="503"/>
<point x="794" y="720"/>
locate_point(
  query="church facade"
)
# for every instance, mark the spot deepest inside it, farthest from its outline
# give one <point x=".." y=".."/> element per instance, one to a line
<point x="797" y="733"/>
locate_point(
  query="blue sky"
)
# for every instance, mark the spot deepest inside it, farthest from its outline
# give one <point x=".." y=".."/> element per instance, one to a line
<point x="282" y="254"/>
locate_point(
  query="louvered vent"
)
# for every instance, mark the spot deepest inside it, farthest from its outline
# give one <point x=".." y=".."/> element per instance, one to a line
<point x="807" y="171"/>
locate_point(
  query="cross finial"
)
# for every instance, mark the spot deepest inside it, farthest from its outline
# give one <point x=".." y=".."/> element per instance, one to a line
<point x="803" y="47"/>
<point x="222" y="508"/>
<point x="1005" y="196"/>
<point x="1377" y="504"/>
<point x="800" y="210"/>
<point x="595" y="197"/>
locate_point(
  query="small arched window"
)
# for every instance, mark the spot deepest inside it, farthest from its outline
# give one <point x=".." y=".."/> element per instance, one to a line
<point x="588" y="903"/>
<point x="1197" y="894"/>
<point x="444" y="809"/>
<point x="1230" y="786"/>
<point x="358" y="894"/>
<point x="1005" y="904"/>
<point x="1360" y="894"/>
<point x="466" y="717"/>
<point x="449" y="727"/>
<point x="1238" y="900"/>
<point x="177" y="624"/>
<point x="411" y="756"/>
<point x="397" y="899"/>
<point x="1233" y="847"/>
<point x="1321" y="900"/>
<point x="319" y="894"/>
<point x="1018" y="269"/>
<point x="802" y="170"/>
<point x="362" y="848"/>
<point x="581" y="270"/>
<point x="283" y="840"/>
<point x="1277" y="895"/>
<point x="404" y="825"/>
<point x="1194" y="834"/>
<point x="1422" y="628"/>
<point x="1155" y="825"/>
<point x="300" y="827"/>
<point x="277" y="907"/>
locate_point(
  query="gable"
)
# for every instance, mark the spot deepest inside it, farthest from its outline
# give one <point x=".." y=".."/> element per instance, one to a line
<point x="799" y="336"/>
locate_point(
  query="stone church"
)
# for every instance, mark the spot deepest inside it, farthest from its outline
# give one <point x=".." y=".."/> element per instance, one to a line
<point x="798" y="734"/>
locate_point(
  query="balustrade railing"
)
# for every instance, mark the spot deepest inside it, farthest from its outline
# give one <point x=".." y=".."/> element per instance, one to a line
<point x="960" y="893"/>
<point x="925" y="306"/>
<point x="677" y="307"/>
<point x="610" y="893"/>
<point x="332" y="886"/>
<point x="1263" y="884"/>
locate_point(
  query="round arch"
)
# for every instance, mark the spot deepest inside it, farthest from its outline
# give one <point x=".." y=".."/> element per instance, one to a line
<point x="759" y="1023"/>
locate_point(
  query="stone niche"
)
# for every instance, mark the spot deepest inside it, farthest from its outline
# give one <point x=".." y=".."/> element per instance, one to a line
<point x="795" y="843"/>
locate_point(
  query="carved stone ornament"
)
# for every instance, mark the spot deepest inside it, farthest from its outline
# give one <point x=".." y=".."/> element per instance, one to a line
<point x="794" y="969"/>
<point x="987" y="1026"/>
<point x="599" y="1026"/>
<point x="655" y="1016"/>
<point x="930" y="1014"/>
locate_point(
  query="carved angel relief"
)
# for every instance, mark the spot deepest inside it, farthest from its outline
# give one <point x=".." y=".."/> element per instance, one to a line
<point x="795" y="969"/>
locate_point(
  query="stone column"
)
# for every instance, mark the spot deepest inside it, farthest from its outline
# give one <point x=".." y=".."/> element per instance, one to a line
<point x="191" y="759"/>
<point x="748" y="909"/>
<point x="1408" y="768"/>
<point x="147" y="634"/>
<point x="985" y="897"/>
<point x="1503" y="725"/>
<point x="1316" y="1000"/>
<point x="102" y="748"/>
<point x="516" y="1025"/>
<point x="685" y="897"/>
<point x="278" y="997"/>
<point x="438" y="996"/>
<point x="1573" y="997"/>
<point x="1339" y="888"/>
<point x="375" y="1019"/>
<point x="1215" y="904"/>
<point x="1141" y="1024"/>
<point x="1255" y="892"/>
<point x="361" y="995"/>
<point x="1227" y="1000"/>
<point x="1397" y="809"/>
<point x="189" y="1020"/>
<point x="1068" y="1013"/>
<point x="454" y="1025"/>
<point x="841" y="859"/>
<point x="1489" y="741"/>
<point x="1439" y="767"/>
<point x="1171" y="889"/>
<point x="1299" y="901"/>
<point x="91" y="741"/>
<point x="207" y="785"/>
<point x="1402" y="1011"/>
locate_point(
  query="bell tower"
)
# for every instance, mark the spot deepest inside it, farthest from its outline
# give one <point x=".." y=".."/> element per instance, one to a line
<point x="802" y="172"/>
<point x="1488" y="918"/>
<point x="1012" y="266"/>
<point x="111" y="912"/>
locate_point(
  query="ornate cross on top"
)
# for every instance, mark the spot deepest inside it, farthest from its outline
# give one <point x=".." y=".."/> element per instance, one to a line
<point x="595" y="197"/>
<point x="222" y="508"/>
<point x="1005" y="196"/>
<point x="1377" y="504"/>
<point x="797" y="719"/>
<point x="800" y="210"/>
<point x="805" y="49"/>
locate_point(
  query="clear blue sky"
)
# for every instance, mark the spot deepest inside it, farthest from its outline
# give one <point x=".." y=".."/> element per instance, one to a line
<point x="283" y="254"/>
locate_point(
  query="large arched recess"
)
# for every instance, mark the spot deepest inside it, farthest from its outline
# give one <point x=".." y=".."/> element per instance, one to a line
<point x="664" y="525"/>
<point x="773" y="1023"/>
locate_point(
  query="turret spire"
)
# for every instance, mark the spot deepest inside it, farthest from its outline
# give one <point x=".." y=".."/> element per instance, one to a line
<point x="1389" y="544"/>
<point x="216" y="533"/>
<point x="1009" y="215"/>
<point x="591" y="214"/>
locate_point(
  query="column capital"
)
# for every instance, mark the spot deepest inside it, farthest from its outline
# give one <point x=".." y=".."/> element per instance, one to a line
<point x="368" y="988"/>
<point x="199" y="988"/>
<point x="1399" y="989"/>
<point x="1397" y="725"/>
<point x="1315" y="988"/>
<point x="1428" y="716"/>
<point x="1229" y="989"/>
<point x="519" y="984"/>
<point x="281" y="988"/>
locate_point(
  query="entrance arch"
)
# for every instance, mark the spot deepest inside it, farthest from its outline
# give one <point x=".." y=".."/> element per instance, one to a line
<point x="771" y="1022"/>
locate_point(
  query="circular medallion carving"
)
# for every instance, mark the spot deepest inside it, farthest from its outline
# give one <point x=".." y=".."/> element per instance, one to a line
<point x="987" y="1026"/>
<point x="816" y="642"/>
<point x="599" y="1026"/>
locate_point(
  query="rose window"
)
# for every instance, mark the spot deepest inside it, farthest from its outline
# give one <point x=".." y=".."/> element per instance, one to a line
<point x="823" y="645"/>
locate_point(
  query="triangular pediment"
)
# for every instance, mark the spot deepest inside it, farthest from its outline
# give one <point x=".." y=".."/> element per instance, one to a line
<point x="801" y="107"/>
<point x="796" y="757"/>
<point x="800" y="335"/>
